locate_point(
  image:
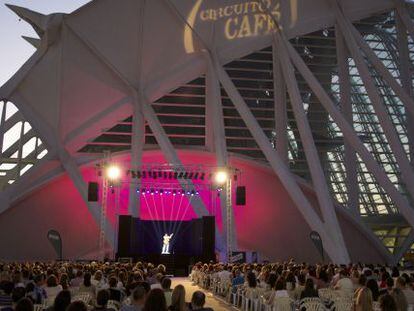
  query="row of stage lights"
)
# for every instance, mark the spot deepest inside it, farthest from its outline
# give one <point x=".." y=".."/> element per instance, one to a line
<point x="161" y="192"/>
<point x="113" y="173"/>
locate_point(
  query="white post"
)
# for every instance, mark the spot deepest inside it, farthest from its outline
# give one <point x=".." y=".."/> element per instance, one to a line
<point x="350" y="157"/>
<point x="312" y="157"/>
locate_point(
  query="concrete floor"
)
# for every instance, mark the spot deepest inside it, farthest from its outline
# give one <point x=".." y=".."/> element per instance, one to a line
<point x="216" y="303"/>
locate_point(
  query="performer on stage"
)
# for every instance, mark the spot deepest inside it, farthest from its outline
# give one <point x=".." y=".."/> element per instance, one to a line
<point x="166" y="243"/>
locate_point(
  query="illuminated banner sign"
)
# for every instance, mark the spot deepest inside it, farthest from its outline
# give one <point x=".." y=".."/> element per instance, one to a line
<point x="240" y="19"/>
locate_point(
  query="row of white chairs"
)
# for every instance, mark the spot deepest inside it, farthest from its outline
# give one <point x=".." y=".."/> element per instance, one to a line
<point x="329" y="299"/>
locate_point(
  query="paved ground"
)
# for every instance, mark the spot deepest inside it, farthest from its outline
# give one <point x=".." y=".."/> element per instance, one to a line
<point x="212" y="302"/>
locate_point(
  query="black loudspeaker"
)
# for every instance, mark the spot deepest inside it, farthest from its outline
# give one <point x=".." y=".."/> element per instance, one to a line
<point x="241" y="195"/>
<point x="93" y="189"/>
<point x="209" y="238"/>
<point x="126" y="224"/>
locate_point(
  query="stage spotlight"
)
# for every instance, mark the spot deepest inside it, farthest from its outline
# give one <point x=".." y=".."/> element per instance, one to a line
<point x="174" y="192"/>
<point x="221" y="177"/>
<point x="197" y="193"/>
<point x="137" y="190"/>
<point x="161" y="192"/>
<point x="113" y="172"/>
<point x="152" y="191"/>
<point x="192" y="193"/>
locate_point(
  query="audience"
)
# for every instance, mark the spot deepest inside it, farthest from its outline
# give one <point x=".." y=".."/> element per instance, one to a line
<point x="144" y="286"/>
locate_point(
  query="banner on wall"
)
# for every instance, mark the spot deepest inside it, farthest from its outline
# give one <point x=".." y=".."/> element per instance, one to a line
<point x="238" y="257"/>
<point x="54" y="238"/>
<point x="317" y="241"/>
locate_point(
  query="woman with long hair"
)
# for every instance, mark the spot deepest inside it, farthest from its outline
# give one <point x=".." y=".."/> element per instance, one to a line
<point x="400" y="299"/>
<point x="155" y="301"/>
<point x="178" y="299"/>
<point x="363" y="301"/>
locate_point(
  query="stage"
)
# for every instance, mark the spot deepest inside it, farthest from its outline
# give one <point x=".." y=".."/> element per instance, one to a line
<point x="189" y="241"/>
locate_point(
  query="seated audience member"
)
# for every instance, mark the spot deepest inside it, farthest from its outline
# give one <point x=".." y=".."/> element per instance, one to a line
<point x="363" y="300"/>
<point x="18" y="293"/>
<point x="114" y="292"/>
<point x="52" y="289"/>
<point x="62" y="301"/>
<point x="6" y="294"/>
<point x="102" y="299"/>
<point x="64" y="281"/>
<point x="158" y="277"/>
<point x="300" y="287"/>
<point x="178" y="299"/>
<point x="251" y="289"/>
<point x="39" y="290"/>
<point x="155" y="301"/>
<point x="389" y="283"/>
<point x="387" y="303"/>
<point x="78" y="280"/>
<point x="198" y="300"/>
<point x="98" y="281"/>
<point x="166" y="287"/>
<point x="86" y="286"/>
<point x="238" y="279"/>
<point x="77" y="306"/>
<point x="309" y="291"/>
<point x="24" y="304"/>
<point x="373" y="286"/>
<point x="137" y="300"/>
<point x="408" y="292"/>
<point x="399" y="298"/>
<point x="344" y="283"/>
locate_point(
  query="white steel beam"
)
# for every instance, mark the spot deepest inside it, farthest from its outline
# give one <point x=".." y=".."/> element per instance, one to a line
<point x="312" y="157"/>
<point x="350" y="157"/>
<point x="351" y="136"/>
<point x="281" y="170"/>
<point x="280" y="106"/>
<point x="388" y="127"/>
<point x="165" y="144"/>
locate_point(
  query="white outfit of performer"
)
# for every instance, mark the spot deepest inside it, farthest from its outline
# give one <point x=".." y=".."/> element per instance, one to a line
<point x="166" y="243"/>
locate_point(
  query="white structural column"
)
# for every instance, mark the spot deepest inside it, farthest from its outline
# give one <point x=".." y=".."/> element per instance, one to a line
<point x="350" y="157"/>
<point x="281" y="170"/>
<point x="138" y="121"/>
<point x="312" y="158"/>
<point x="137" y="147"/>
<point x="280" y="106"/>
<point x="351" y="136"/>
<point x="388" y="127"/>
<point x="213" y="100"/>
<point x="404" y="66"/>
